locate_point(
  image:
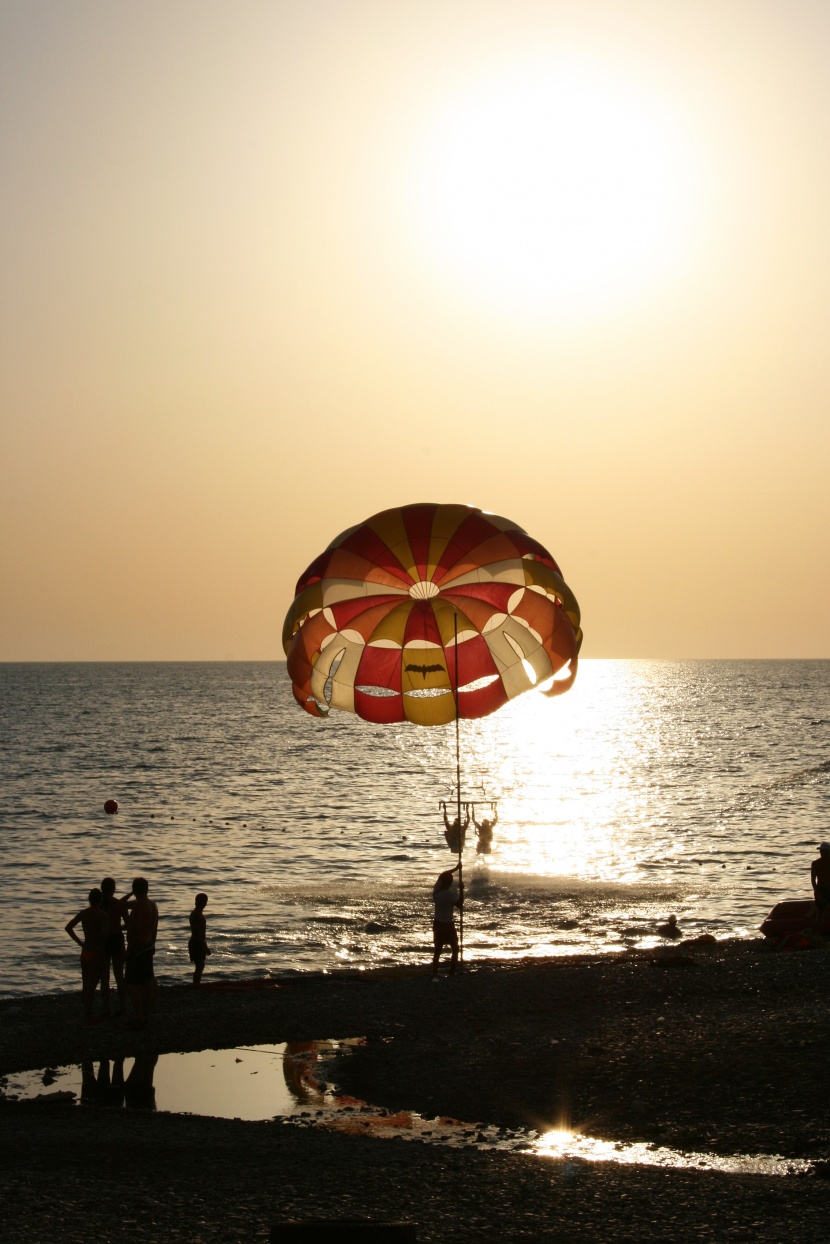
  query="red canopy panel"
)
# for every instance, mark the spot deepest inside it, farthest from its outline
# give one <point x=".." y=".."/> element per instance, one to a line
<point x="378" y="708"/>
<point x="482" y="701"/>
<point x="472" y="532"/>
<point x="421" y="624"/>
<point x="417" y="520"/>
<point x="379" y="667"/>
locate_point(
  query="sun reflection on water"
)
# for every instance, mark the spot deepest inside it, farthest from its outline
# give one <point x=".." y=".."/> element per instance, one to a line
<point x="562" y="1144"/>
<point x="564" y="770"/>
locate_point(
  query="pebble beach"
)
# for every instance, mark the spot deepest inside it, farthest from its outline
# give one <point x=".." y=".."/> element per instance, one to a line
<point x="712" y="1049"/>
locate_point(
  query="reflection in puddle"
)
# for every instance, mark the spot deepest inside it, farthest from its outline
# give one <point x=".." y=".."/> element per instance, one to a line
<point x="288" y="1083"/>
<point x="252" y="1082"/>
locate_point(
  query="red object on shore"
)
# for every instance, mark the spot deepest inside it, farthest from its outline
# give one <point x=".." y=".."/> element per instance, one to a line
<point x="791" y="917"/>
<point x="111" y="806"/>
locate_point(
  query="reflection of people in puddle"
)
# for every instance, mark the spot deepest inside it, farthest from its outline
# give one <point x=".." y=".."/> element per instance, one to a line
<point x="670" y="928"/>
<point x="93" y="920"/>
<point x="89" y="1095"/>
<point x="139" y="1093"/>
<point x="298" y="1069"/>
<point x="112" y="1086"/>
<point x="103" y="1089"/>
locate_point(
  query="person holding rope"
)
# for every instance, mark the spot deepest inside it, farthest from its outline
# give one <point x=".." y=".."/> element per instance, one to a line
<point x="446" y="898"/>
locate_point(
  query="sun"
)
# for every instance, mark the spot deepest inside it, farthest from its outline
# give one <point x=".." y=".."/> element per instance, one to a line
<point x="556" y="188"/>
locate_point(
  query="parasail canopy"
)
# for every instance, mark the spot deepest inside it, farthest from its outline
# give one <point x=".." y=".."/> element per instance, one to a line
<point x="425" y="608"/>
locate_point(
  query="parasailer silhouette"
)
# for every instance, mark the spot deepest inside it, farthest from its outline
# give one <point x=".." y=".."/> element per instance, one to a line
<point x="455" y="831"/>
<point x="484" y="831"/>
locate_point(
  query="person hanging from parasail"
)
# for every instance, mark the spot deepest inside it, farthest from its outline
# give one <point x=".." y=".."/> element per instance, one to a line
<point x="455" y="831"/>
<point x="484" y="830"/>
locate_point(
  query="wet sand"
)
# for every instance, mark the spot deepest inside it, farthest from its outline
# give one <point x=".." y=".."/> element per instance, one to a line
<point x="720" y="1050"/>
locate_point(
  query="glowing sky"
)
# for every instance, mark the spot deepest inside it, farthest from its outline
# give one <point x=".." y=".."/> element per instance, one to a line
<point x="271" y="267"/>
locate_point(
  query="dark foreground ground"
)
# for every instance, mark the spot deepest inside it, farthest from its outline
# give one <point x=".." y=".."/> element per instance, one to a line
<point x="720" y="1050"/>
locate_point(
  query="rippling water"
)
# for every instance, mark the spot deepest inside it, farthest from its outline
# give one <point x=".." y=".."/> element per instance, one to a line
<point x="699" y="788"/>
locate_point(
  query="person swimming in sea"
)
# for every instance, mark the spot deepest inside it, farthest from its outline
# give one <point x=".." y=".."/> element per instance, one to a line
<point x="670" y="928"/>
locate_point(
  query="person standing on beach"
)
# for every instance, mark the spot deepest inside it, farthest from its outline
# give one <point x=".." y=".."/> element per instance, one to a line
<point x="197" y="947"/>
<point x="142" y="930"/>
<point x="446" y="898"/>
<point x="93" y="920"/>
<point x="820" y="881"/>
<point x="114" y="951"/>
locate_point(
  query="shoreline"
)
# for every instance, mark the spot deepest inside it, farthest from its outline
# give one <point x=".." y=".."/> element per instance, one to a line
<point x="711" y="1048"/>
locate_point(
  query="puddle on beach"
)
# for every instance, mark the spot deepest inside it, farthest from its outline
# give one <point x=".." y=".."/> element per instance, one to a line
<point x="287" y="1083"/>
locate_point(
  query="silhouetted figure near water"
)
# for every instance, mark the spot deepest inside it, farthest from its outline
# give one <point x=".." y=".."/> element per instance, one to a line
<point x="455" y="832"/>
<point x="93" y="920"/>
<point x="197" y="947"/>
<point x="142" y="930"/>
<point x="820" y="881"/>
<point x="115" y="948"/>
<point x="446" y="898"/>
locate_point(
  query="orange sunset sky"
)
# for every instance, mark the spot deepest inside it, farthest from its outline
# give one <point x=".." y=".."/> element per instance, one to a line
<point x="271" y="267"/>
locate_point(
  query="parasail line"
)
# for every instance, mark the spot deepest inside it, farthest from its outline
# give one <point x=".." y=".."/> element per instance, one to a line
<point x="458" y="800"/>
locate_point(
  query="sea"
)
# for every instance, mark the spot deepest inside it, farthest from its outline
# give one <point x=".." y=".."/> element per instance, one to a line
<point x="694" y="788"/>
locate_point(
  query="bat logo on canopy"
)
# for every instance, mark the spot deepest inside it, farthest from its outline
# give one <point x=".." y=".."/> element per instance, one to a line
<point x="425" y="669"/>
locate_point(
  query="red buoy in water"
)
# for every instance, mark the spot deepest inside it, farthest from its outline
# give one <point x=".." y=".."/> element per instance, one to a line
<point x="111" y="806"/>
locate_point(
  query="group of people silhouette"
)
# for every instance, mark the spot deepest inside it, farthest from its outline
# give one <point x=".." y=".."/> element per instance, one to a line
<point x="119" y="937"/>
<point x="119" y="934"/>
